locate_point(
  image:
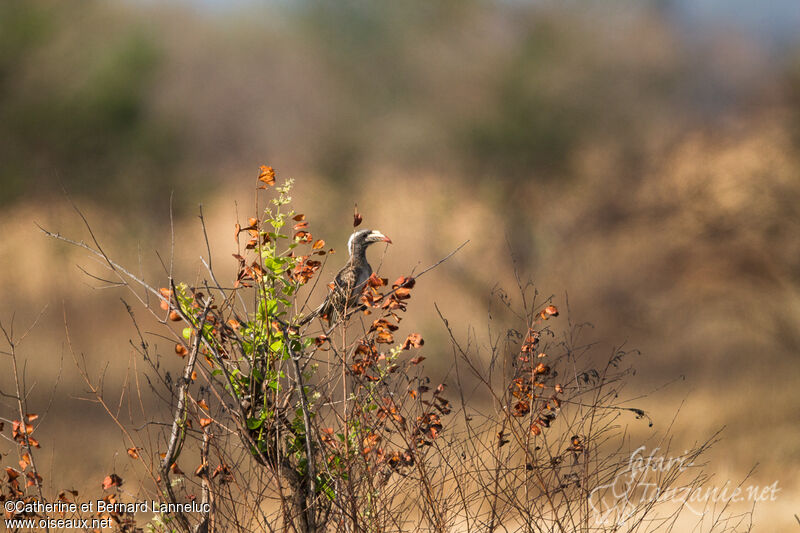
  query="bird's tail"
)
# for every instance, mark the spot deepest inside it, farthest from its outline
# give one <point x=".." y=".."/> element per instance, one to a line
<point x="312" y="315"/>
<point x="307" y="319"/>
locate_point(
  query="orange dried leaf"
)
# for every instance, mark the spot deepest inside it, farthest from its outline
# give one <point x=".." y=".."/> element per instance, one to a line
<point x="203" y="404"/>
<point x="303" y="236"/>
<point x="181" y="350"/>
<point x="417" y="360"/>
<point x="112" y="480"/>
<point x="382" y="324"/>
<point x="31" y="416"/>
<point x="33" y="479"/>
<point x="298" y="217"/>
<point x="317" y="245"/>
<point x="402" y="293"/>
<point x="414" y="340"/>
<point x="375" y="281"/>
<point x="267" y="175"/>
<point x="384" y="337"/>
<point x="357" y="218"/>
<point x="134" y="452"/>
<point x="318" y="341"/>
<point x="549" y="311"/>
<point x="404" y="281"/>
<point x="205" y="422"/>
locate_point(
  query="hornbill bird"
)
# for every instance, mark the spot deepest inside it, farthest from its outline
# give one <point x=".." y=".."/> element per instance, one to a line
<point x="350" y="281"/>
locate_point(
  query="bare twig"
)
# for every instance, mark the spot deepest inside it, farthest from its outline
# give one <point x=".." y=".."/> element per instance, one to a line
<point x="20" y="400"/>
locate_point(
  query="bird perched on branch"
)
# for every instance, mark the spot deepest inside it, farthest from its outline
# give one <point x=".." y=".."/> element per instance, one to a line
<point x="350" y="280"/>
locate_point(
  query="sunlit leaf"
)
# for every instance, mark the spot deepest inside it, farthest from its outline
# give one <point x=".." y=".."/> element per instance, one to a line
<point x="267" y="175"/>
<point x="112" y="480"/>
<point x="384" y="337"/>
<point x="414" y="340"/>
<point x="549" y="311"/>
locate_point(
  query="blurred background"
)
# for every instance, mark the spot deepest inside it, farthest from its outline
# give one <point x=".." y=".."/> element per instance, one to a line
<point x="641" y="157"/>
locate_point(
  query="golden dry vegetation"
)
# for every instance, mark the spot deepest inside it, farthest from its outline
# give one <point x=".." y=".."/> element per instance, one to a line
<point x="651" y="178"/>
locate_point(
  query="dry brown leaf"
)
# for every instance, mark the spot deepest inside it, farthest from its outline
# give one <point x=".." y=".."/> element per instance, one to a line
<point x="357" y="218"/>
<point x="112" y="480"/>
<point x="267" y="175"/>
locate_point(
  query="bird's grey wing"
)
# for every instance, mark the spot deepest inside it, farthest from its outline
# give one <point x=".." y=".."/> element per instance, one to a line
<point x="347" y="288"/>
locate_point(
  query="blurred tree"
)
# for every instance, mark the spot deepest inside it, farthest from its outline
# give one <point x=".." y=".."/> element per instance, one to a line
<point x="532" y="127"/>
<point x="77" y="113"/>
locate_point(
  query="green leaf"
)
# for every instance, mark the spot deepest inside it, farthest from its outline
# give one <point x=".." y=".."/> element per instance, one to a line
<point x="327" y="489"/>
<point x="187" y="333"/>
<point x="254" y="423"/>
<point x="276" y="346"/>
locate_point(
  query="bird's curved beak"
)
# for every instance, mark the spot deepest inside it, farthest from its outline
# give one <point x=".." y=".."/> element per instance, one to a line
<point x="376" y="236"/>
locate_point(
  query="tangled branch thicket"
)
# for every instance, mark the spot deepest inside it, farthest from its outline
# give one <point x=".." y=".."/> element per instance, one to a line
<point x="336" y="427"/>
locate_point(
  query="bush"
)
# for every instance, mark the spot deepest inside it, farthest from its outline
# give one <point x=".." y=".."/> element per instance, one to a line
<point x="303" y="426"/>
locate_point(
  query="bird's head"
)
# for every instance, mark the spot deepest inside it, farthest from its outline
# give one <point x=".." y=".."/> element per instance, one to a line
<point x="365" y="237"/>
